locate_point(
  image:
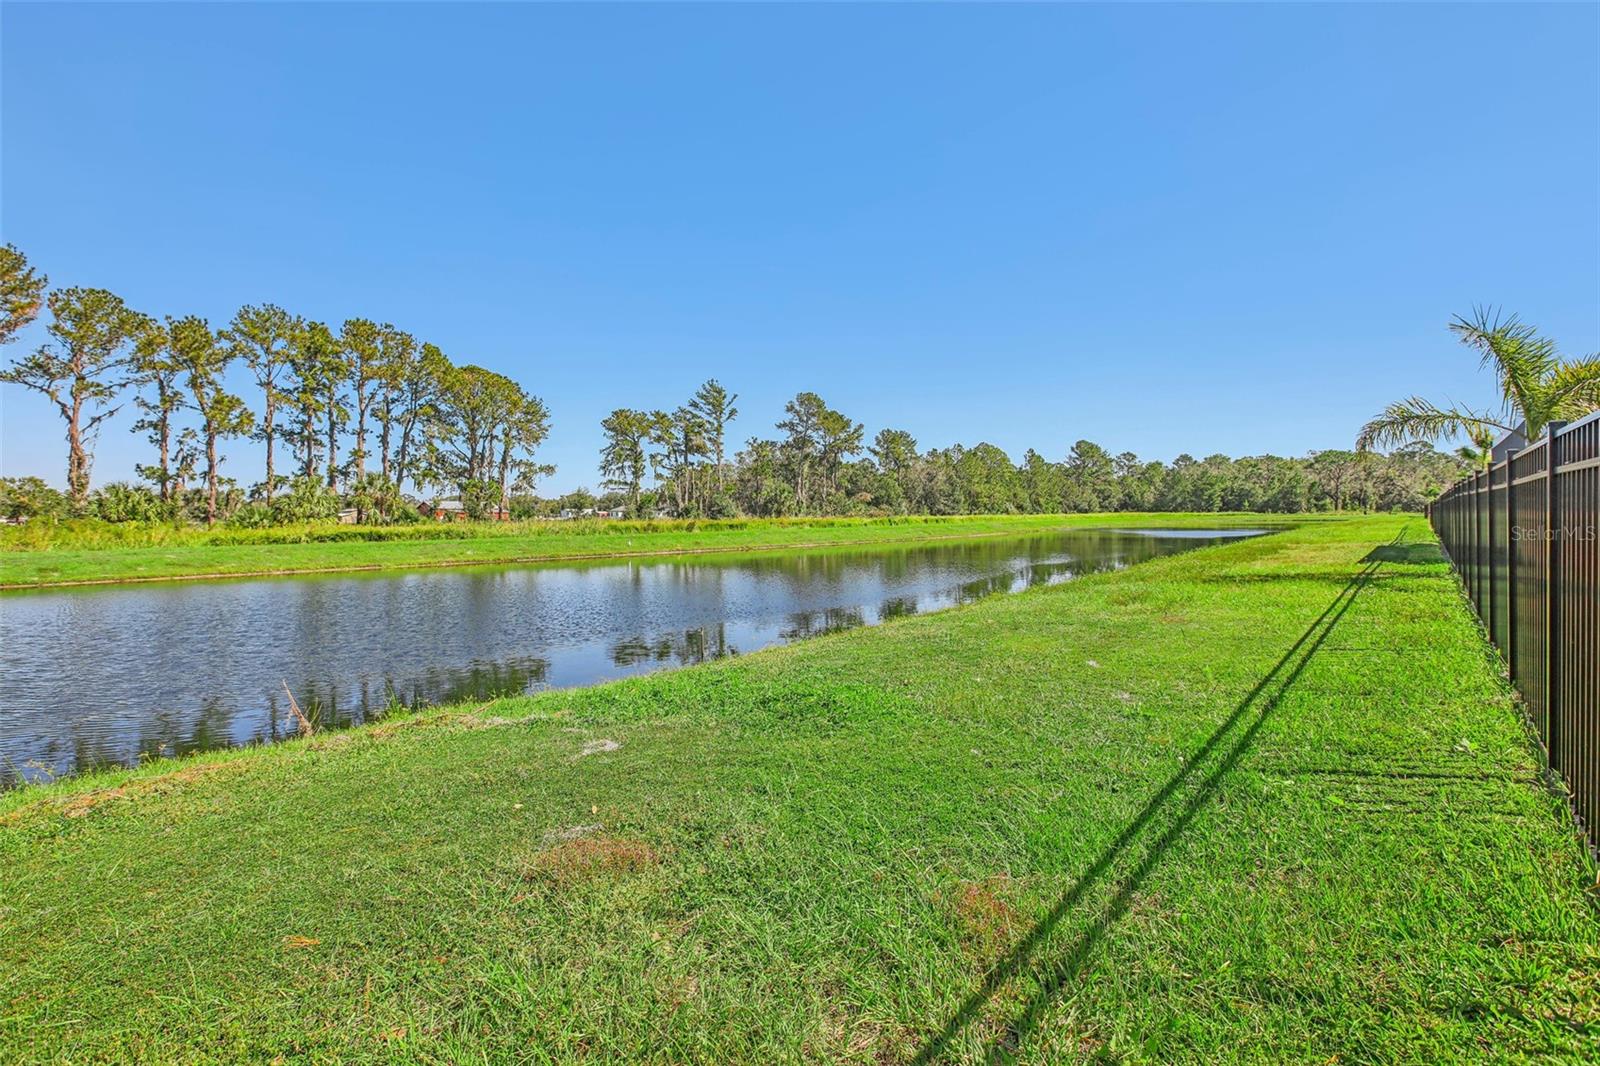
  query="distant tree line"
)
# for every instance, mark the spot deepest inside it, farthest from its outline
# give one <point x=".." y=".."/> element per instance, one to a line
<point x="350" y="418"/>
<point x="344" y="417"/>
<point x="820" y="463"/>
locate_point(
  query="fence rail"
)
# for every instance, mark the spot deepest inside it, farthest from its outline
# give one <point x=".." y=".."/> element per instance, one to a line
<point x="1523" y="538"/>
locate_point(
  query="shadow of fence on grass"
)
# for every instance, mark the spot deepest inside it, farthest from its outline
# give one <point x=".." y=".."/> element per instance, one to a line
<point x="1416" y="553"/>
<point x="1055" y="977"/>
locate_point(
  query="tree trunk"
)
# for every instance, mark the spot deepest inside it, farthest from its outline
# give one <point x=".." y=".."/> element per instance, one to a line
<point x="402" y="458"/>
<point x="361" y="435"/>
<point x="211" y="477"/>
<point x="687" y="493"/>
<point x="505" y="474"/>
<point x="333" y="445"/>
<point x="383" y="440"/>
<point x="308" y="439"/>
<point x="77" y="461"/>
<point x="166" y="468"/>
<point x="266" y="429"/>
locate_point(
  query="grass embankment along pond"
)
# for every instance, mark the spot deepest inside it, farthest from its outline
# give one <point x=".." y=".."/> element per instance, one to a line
<point x="1268" y="801"/>
<point x="41" y="556"/>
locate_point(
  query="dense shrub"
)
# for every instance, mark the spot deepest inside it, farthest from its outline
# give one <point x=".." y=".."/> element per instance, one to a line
<point x="122" y="502"/>
<point x="31" y="499"/>
<point x="307" y="500"/>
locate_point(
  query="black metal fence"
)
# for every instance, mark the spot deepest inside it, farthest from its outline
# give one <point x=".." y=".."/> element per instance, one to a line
<point x="1523" y="538"/>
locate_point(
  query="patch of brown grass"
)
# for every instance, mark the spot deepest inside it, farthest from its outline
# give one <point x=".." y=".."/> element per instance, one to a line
<point x="587" y="858"/>
<point x="985" y="916"/>
<point x="411" y="723"/>
<point x="81" y="803"/>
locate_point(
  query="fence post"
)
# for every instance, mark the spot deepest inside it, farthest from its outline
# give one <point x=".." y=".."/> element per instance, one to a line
<point x="1511" y="568"/>
<point x="1552" y="597"/>
<point x="1480" y="544"/>
<point x="1471" y="544"/>
<point x="1488" y="553"/>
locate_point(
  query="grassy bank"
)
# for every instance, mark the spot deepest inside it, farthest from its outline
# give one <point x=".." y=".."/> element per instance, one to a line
<point x="39" y="556"/>
<point x="1262" y="802"/>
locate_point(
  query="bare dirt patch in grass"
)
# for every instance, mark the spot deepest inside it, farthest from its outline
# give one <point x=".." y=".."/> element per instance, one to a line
<point x="574" y="832"/>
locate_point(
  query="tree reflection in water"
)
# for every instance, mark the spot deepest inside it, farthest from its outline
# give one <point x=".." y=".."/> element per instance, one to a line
<point x="171" y="669"/>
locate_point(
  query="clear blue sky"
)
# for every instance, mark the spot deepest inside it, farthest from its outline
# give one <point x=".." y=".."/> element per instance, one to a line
<point x="1166" y="229"/>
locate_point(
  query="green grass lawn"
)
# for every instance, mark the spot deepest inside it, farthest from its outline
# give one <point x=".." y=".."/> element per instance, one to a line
<point x="1264" y="802"/>
<point x="33" y="557"/>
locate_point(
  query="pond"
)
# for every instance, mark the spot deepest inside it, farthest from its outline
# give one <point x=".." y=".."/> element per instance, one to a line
<point x="113" y="675"/>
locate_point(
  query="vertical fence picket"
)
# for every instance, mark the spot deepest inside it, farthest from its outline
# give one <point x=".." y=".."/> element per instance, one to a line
<point x="1552" y="601"/>
<point x="1510" y="648"/>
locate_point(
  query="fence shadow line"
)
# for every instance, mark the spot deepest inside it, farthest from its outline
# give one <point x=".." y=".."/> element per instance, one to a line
<point x="1010" y="966"/>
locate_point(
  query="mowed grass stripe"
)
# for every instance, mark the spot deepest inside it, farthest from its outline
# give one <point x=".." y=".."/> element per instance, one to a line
<point x="1227" y="806"/>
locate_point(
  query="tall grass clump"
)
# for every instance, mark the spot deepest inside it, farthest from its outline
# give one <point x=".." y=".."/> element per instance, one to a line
<point x="93" y="534"/>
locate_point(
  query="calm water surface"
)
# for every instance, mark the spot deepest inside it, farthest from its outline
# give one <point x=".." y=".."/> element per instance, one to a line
<point x="90" y="677"/>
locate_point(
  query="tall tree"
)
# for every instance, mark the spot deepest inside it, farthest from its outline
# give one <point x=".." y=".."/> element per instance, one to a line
<point x="396" y="362"/>
<point x="623" y="460"/>
<point x="418" y="389"/>
<point x="1333" y="472"/>
<point x="363" y="352"/>
<point x="335" y="406"/>
<point x="265" y="338"/>
<point x="1043" y="484"/>
<point x="894" y="450"/>
<point x="838" y="439"/>
<point x="82" y="369"/>
<point x="525" y="428"/>
<point x="819" y="440"/>
<point x="203" y="356"/>
<point x="1091" y="483"/>
<point x="472" y="408"/>
<point x="803" y="445"/>
<point x="1138" y="483"/>
<point x="988" y="480"/>
<point x="683" y="436"/>
<point x="316" y="367"/>
<point x="895" y="453"/>
<point x="714" y="406"/>
<point x="761" y="484"/>
<point x="1536" y="385"/>
<point x="160" y="397"/>
<point x="21" y="292"/>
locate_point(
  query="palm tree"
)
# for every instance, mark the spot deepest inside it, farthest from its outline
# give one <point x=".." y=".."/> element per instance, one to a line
<point x="1536" y="386"/>
<point x="1480" y="452"/>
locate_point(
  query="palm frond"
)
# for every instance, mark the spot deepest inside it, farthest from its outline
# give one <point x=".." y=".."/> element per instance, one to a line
<point x="1574" y="388"/>
<point x="1522" y="360"/>
<point x="1417" y="419"/>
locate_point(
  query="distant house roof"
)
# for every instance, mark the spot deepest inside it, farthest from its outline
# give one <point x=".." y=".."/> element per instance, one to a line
<point x="1514" y="441"/>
